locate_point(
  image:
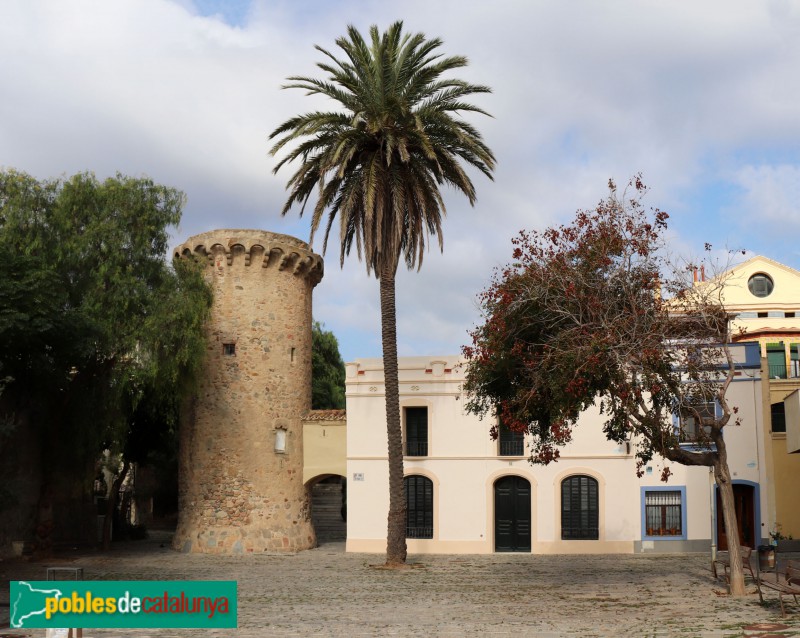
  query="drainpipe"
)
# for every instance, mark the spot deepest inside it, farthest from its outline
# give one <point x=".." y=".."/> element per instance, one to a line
<point x="713" y="514"/>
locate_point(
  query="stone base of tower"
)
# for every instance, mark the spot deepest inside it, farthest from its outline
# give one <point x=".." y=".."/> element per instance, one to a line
<point x="233" y="518"/>
<point x="250" y="540"/>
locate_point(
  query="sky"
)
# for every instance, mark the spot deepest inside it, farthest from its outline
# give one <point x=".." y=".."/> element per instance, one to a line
<point x="702" y="98"/>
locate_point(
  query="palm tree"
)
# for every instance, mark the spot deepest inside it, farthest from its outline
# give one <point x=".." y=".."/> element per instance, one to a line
<point x="378" y="164"/>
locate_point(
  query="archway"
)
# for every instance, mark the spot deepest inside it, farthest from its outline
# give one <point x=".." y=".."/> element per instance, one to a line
<point x="328" y="496"/>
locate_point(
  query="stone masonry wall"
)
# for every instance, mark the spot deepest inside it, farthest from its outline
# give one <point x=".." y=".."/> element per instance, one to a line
<point x="237" y="494"/>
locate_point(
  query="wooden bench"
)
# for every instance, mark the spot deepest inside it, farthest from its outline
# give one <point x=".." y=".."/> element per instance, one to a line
<point x="723" y="560"/>
<point x="786" y="583"/>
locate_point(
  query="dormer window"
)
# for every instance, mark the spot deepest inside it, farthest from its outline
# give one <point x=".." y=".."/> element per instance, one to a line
<point x="760" y="285"/>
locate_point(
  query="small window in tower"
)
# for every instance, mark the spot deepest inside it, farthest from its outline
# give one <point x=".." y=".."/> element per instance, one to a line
<point x="229" y="349"/>
<point x="291" y="354"/>
<point x="789" y="315"/>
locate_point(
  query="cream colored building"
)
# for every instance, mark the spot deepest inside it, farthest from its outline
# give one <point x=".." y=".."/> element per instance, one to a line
<point x="324" y="445"/>
<point x="470" y="494"/>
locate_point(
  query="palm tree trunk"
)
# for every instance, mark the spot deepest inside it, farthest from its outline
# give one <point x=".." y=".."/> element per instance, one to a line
<point x="396" y="533"/>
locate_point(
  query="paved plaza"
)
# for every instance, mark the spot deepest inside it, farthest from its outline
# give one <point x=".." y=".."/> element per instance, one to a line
<point x="326" y="592"/>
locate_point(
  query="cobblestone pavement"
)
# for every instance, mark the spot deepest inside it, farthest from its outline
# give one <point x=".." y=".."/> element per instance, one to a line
<point x="326" y="592"/>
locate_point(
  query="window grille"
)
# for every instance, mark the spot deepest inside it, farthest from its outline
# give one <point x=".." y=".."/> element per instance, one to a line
<point x="663" y="513"/>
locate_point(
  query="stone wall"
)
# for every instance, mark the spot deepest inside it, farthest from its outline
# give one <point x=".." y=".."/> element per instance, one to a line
<point x="237" y="492"/>
<point x="20" y="478"/>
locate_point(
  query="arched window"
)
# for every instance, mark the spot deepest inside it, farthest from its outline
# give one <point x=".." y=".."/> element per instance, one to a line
<point x="579" y="508"/>
<point x="419" y="507"/>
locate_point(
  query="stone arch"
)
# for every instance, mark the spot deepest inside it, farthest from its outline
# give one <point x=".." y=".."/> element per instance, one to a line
<point x="327" y="494"/>
<point x="272" y="255"/>
<point x="256" y="253"/>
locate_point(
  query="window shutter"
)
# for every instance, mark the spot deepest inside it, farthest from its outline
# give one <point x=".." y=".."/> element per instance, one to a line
<point x="579" y="508"/>
<point x="419" y="507"/>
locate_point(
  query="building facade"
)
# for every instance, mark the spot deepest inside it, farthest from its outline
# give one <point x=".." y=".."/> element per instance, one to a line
<point x="467" y="493"/>
<point x="763" y="297"/>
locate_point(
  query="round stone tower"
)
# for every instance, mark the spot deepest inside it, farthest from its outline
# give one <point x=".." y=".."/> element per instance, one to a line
<point x="241" y="444"/>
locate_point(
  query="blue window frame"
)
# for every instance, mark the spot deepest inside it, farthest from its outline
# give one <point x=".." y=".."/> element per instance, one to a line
<point x="692" y="430"/>
<point x="663" y="512"/>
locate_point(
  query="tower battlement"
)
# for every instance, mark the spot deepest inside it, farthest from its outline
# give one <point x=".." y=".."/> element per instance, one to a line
<point x="256" y="247"/>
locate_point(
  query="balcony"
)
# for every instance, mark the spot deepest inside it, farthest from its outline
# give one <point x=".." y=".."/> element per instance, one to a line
<point x="781" y="371"/>
<point x="419" y="532"/>
<point x="512" y="443"/>
<point x="416" y="448"/>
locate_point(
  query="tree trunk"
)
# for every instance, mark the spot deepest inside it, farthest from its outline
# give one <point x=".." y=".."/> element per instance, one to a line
<point x="396" y="534"/>
<point x="111" y="504"/>
<point x="725" y="487"/>
<point x="45" y="524"/>
<point x="51" y="476"/>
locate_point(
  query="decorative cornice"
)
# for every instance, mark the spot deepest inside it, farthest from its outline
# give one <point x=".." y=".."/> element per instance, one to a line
<point x="257" y="247"/>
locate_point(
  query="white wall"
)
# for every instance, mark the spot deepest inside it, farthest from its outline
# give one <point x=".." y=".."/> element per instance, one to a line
<point x="463" y="464"/>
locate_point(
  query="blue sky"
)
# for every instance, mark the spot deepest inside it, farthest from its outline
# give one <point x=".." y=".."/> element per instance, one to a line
<point x="701" y="97"/>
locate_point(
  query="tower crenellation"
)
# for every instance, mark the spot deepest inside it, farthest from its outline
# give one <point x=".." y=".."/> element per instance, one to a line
<point x="258" y="247"/>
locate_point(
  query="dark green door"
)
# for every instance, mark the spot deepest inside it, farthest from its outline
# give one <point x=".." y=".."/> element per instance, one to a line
<point x="512" y="514"/>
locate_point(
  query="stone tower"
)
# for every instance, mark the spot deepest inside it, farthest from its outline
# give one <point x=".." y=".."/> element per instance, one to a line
<point x="241" y="457"/>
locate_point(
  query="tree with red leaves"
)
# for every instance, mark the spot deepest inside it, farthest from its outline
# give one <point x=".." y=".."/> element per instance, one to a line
<point x="593" y="312"/>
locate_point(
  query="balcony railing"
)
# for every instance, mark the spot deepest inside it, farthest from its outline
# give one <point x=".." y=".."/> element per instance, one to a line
<point x="416" y="448"/>
<point x="419" y="532"/>
<point x="781" y="371"/>
<point x="512" y="446"/>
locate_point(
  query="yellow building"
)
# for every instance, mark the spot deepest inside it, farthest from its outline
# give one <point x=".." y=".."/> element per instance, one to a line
<point x="764" y="298"/>
<point x="324" y="471"/>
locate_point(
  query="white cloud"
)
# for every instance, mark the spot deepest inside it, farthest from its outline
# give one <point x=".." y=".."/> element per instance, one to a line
<point x="771" y="193"/>
<point x="701" y="97"/>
